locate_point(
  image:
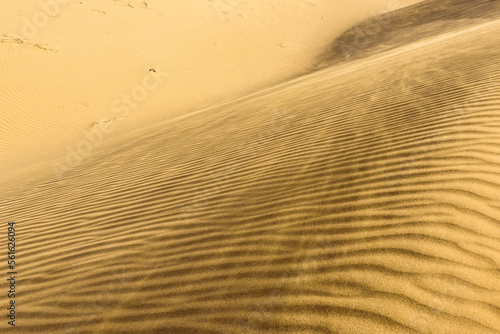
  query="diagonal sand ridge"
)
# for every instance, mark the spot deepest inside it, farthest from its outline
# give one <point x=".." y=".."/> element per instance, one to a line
<point x="328" y="204"/>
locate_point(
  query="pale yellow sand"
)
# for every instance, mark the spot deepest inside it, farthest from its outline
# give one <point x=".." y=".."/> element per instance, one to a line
<point x="65" y="64"/>
<point x="326" y="204"/>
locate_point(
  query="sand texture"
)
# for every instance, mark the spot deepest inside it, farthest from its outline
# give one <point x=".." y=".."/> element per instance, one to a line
<point x="363" y="197"/>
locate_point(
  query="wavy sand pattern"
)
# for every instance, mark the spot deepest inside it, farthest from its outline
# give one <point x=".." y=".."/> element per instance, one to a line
<point x="327" y="204"/>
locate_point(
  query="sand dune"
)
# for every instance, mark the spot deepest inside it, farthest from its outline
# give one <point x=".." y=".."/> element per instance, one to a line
<point x="328" y="204"/>
<point x="361" y="198"/>
<point x="68" y="62"/>
<point x="425" y="19"/>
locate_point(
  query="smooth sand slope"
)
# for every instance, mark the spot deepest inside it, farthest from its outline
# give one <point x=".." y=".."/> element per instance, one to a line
<point x="362" y="198"/>
<point x="65" y="63"/>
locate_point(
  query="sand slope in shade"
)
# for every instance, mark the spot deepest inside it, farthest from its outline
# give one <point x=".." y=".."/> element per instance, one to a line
<point x="423" y="20"/>
<point x="328" y="204"/>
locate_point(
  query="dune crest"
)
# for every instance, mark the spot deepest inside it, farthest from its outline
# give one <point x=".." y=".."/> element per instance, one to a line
<point x="397" y="28"/>
<point x="362" y="198"/>
<point x="69" y="62"/>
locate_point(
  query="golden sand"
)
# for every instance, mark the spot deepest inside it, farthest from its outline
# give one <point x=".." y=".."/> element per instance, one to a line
<point x="360" y="198"/>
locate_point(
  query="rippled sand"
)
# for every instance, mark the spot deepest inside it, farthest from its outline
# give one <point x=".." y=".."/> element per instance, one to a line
<point x="360" y="198"/>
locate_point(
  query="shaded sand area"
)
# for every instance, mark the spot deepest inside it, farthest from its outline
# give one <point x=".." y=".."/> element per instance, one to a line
<point x="361" y="198"/>
<point x="66" y="64"/>
<point x="426" y="19"/>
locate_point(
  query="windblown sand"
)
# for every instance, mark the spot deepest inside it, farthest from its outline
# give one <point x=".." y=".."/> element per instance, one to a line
<point x="68" y="61"/>
<point x="361" y="198"/>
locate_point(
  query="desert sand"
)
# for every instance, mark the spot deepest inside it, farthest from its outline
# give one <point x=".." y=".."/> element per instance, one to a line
<point x="68" y="62"/>
<point x="278" y="175"/>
